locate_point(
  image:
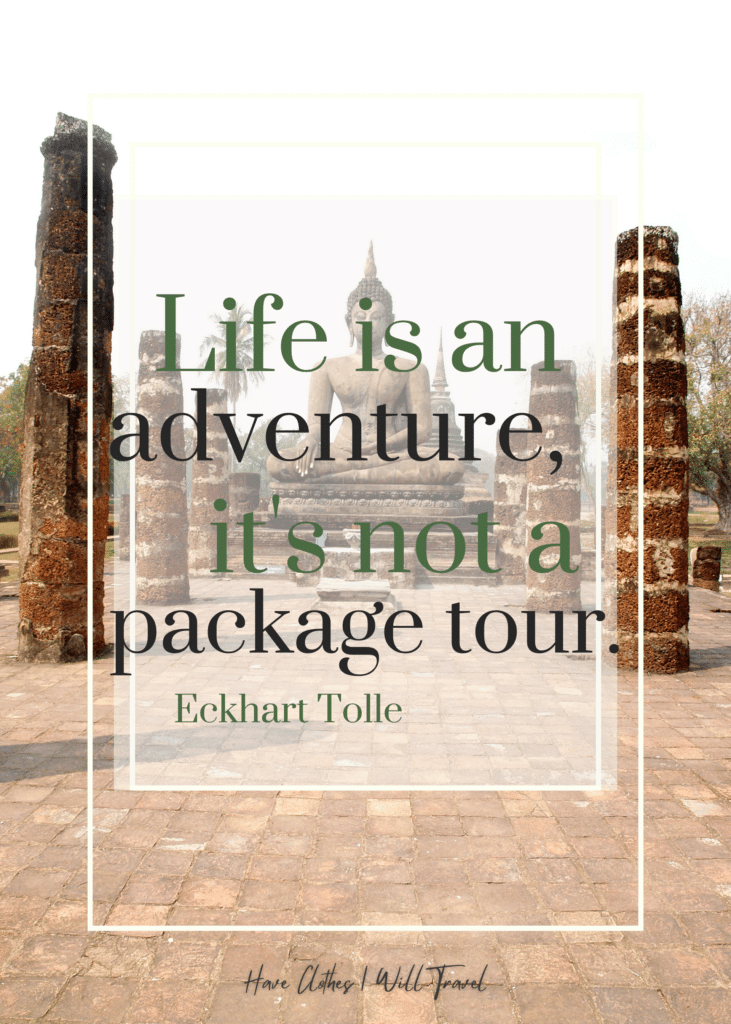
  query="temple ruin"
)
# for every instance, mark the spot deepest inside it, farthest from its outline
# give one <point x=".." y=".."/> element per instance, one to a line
<point x="53" y="501"/>
<point x="553" y="493"/>
<point x="665" y="441"/>
<point x="161" y="510"/>
<point x="210" y="481"/>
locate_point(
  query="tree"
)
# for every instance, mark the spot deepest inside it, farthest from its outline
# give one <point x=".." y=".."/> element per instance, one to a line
<point x="12" y="404"/>
<point x="119" y="471"/>
<point x="708" y="349"/>
<point x="236" y="384"/>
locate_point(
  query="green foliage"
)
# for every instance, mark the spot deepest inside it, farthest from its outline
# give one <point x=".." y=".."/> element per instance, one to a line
<point x="708" y="347"/>
<point x="236" y="384"/>
<point x="119" y="471"/>
<point x="12" y="403"/>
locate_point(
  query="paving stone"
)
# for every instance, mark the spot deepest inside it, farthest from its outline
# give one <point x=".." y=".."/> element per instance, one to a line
<point x="540" y="965"/>
<point x="544" y="1004"/>
<point x="94" y="1000"/>
<point x="676" y="968"/>
<point x="27" y="998"/>
<point x="48" y="954"/>
<point x="700" y="1006"/>
<point x="209" y="892"/>
<point x="169" y="1001"/>
<point x="625" y="1006"/>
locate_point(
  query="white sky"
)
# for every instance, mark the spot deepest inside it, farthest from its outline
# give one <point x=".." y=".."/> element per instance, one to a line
<point x="675" y="56"/>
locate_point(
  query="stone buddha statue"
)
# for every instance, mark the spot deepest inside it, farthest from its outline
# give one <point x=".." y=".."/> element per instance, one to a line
<point x="361" y="392"/>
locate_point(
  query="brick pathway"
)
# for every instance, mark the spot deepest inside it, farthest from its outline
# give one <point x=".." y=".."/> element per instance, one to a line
<point x="321" y="858"/>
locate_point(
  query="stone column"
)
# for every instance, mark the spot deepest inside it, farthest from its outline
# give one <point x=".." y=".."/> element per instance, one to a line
<point x="509" y="512"/>
<point x="666" y="454"/>
<point x="210" y="481"/>
<point x="707" y="567"/>
<point x="123" y="529"/>
<point x="243" y="489"/>
<point x="243" y="497"/>
<point x="53" y="499"/>
<point x="554" y="496"/>
<point x="162" y="507"/>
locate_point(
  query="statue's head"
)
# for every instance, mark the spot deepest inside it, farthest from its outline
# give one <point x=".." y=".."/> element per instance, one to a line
<point x="381" y="311"/>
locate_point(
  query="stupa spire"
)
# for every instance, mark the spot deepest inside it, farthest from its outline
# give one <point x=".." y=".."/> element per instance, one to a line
<point x="440" y="378"/>
<point x="370" y="266"/>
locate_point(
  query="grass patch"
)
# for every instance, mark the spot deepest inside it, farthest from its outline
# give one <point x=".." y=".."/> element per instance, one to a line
<point x="702" y="521"/>
<point x="12" y="557"/>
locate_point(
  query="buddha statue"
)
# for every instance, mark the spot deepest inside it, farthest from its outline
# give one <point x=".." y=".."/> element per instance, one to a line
<point x="362" y="393"/>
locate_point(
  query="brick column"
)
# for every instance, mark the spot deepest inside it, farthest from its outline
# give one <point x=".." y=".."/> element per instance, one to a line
<point x="210" y="481"/>
<point x="509" y="512"/>
<point x="666" y="454"/>
<point x="707" y="567"/>
<point x="243" y="489"/>
<point x="162" y="503"/>
<point x="554" y="496"/>
<point x="53" y="496"/>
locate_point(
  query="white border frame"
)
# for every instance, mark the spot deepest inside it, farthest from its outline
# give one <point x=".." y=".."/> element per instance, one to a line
<point x="339" y="788"/>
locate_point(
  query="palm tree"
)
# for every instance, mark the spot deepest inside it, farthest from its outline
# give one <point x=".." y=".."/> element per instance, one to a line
<point x="236" y="384"/>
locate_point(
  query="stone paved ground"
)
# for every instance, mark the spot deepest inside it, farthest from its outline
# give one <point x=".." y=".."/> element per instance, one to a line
<point x="321" y="857"/>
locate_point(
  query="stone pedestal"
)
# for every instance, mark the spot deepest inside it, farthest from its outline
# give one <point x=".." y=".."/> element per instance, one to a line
<point x="273" y="549"/>
<point x="339" y="597"/>
<point x="53" y="499"/>
<point x="337" y="507"/>
<point x="342" y="563"/>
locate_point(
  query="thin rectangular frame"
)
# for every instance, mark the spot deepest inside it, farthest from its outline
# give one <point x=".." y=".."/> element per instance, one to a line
<point x="91" y="926"/>
<point x="304" y="787"/>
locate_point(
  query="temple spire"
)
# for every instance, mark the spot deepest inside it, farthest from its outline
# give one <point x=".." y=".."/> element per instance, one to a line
<point x="439" y="383"/>
<point x="442" y="403"/>
<point x="370" y="267"/>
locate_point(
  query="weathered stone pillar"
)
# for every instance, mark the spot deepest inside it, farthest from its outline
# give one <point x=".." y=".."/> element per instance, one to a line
<point x="666" y="454"/>
<point x="243" y="497"/>
<point x="707" y="567"/>
<point x="53" y="499"/>
<point x="554" y="495"/>
<point x="162" y="507"/>
<point x="509" y="512"/>
<point x="243" y="492"/>
<point x="123" y="529"/>
<point x="210" y="481"/>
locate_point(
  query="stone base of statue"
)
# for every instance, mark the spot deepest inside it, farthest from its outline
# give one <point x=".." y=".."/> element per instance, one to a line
<point x="342" y="564"/>
<point x="338" y="597"/>
<point x="336" y="507"/>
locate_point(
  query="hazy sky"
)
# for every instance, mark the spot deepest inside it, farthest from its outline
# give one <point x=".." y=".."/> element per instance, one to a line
<point x="675" y="56"/>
